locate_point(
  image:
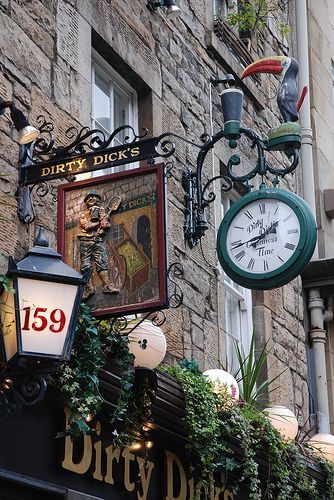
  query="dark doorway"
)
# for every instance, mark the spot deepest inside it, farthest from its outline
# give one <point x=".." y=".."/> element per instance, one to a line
<point x="144" y="235"/>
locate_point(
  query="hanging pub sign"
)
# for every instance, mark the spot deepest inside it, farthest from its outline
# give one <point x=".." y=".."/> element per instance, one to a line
<point x="114" y="225"/>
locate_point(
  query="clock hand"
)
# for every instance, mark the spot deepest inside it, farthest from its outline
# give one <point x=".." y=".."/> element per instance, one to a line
<point x="266" y="232"/>
<point x="255" y="238"/>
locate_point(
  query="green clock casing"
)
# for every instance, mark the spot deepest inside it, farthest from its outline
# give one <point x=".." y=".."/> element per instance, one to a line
<point x="266" y="238"/>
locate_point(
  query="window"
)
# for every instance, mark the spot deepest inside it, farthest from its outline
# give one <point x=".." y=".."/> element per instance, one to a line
<point x="238" y="311"/>
<point x="114" y="103"/>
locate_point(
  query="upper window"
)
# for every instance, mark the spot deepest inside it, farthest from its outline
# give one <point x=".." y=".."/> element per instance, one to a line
<point x="114" y="102"/>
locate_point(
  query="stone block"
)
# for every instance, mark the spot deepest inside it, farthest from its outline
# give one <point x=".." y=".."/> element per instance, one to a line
<point x="199" y="356"/>
<point x="36" y="29"/>
<point x="19" y="49"/>
<point x="80" y="92"/>
<point x="6" y="87"/>
<point x="21" y="95"/>
<point x="61" y="87"/>
<point x="74" y="39"/>
<point x="175" y="51"/>
<point x="61" y="120"/>
<point x="197" y="336"/>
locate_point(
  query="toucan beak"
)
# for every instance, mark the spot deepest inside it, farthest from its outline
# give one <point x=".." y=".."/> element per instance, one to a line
<point x="272" y="65"/>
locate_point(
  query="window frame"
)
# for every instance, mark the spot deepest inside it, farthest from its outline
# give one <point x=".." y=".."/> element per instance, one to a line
<point x="243" y="296"/>
<point x="115" y="81"/>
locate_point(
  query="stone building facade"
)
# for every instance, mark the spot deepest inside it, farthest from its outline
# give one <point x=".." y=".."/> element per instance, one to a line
<point x="47" y="48"/>
<point x="319" y="277"/>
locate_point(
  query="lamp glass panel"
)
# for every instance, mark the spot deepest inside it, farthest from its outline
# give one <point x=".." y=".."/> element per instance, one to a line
<point x="8" y="324"/>
<point x="45" y="314"/>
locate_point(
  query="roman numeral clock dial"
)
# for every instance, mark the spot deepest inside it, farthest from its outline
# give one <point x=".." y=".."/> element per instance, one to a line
<point x="266" y="238"/>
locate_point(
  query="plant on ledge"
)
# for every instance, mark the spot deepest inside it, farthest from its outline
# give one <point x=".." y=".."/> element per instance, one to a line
<point x="211" y="422"/>
<point x="251" y="16"/>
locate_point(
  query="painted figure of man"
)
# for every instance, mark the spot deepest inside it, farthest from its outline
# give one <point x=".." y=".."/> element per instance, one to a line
<point x="94" y="225"/>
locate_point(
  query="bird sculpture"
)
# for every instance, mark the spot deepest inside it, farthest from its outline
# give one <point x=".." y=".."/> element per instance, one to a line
<point x="287" y="95"/>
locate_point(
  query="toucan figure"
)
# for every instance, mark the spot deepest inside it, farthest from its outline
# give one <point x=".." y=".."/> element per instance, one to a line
<point x="287" y="96"/>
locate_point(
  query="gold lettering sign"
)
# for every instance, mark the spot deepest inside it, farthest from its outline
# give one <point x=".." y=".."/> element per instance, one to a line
<point x="98" y="458"/>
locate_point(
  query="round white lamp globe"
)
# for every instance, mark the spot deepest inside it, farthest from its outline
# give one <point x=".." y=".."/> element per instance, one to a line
<point x="222" y="381"/>
<point x="323" y="446"/>
<point x="147" y="343"/>
<point x="283" y="420"/>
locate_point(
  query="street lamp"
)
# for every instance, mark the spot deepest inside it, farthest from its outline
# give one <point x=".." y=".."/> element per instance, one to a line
<point x="38" y="319"/>
<point x="173" y="10"/>
<point x="26" y="132"/>
<point x="147" y="343"/>
<point x="284" y="421"/>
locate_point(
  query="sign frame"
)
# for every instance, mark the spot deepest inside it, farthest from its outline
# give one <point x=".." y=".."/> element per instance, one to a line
<point x="136" y="267"/>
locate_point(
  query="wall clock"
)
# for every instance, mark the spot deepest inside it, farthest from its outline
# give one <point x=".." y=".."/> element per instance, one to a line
<point x="266" y="238"/>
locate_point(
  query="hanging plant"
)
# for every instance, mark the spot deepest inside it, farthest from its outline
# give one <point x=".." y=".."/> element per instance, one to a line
<point x="77" y="381"/>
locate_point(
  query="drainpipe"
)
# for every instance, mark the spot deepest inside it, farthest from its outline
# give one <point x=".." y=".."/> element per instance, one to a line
<point x="306" y="155"/>
<point x="318" y="337"/>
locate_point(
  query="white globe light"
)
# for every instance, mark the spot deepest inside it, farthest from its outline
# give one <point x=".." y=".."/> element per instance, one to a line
<point x="283" y="420"/>
<point x="223" y="381"/>
<point x="323" y="446"/>
<point x="147" y="343"/>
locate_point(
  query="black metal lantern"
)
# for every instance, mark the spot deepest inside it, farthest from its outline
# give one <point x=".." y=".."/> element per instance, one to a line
<point x="38" y="319"/>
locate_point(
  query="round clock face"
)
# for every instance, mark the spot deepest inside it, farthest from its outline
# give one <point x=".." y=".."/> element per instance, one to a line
<point x="266" y="238"/>
<point x="263" y="236"/>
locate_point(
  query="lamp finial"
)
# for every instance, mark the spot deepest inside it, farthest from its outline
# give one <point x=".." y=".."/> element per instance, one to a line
<point x="41" y="239"/>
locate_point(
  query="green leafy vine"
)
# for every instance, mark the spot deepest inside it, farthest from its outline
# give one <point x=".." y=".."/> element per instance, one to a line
<point x="211" y="422"/>
<point x="77" y="381"/>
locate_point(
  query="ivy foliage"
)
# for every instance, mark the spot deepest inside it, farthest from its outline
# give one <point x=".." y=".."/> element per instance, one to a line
<point x="212" y="422"/>
<point x="77" y="380"/>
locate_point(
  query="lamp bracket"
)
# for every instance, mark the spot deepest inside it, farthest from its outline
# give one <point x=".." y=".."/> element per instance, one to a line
<point x="25" y="384"/>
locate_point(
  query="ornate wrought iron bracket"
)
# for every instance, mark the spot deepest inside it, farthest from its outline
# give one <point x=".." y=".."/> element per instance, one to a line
<point x="90" y="150"/>
<point x="23" y="385"/>
<point x="197" y="194"/>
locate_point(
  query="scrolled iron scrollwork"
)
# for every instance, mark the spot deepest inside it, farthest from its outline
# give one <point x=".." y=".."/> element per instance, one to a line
<point x="23" y="384"/>
<point x="158" y="318"/>
<point x="169" y="166"/>
<point x="175" y="270"/>
<point x="42" y="189"/>
<point x="80" y="141"/>
<point x="32" y="388"/>
<point x="45" y="143"/>
<point x="118" y="324"/>
<point x="165" y="147"/>
<point x="226" y="186"/>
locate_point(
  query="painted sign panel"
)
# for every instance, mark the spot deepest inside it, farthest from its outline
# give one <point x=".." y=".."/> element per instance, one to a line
<point x="115" y="225"/>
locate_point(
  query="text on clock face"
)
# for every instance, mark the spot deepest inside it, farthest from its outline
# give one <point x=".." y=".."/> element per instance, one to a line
<point x="263" y="236"/>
